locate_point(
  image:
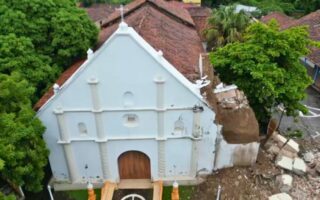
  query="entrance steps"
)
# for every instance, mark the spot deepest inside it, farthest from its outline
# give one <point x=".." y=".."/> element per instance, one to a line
<point x="135" y="184"/>
<point x="108" y="190"/>
<point x="157" y="190"/>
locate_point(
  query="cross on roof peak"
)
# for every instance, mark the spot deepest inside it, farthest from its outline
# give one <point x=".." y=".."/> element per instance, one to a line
<point x="122" y="9"/>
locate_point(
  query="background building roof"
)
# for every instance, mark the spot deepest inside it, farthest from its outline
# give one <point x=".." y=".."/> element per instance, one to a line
<point x="311" y="20"/>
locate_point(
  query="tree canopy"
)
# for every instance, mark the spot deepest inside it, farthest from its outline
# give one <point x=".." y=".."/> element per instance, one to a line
<point x="225" y="26"/>
<point x="22" y="150"/>
<point x="17" y="54"/>
<point x="266" y="67"/>
<point x="290" y="7"/>
<point x="38" y="39"/>
<point x="56" y="28"/>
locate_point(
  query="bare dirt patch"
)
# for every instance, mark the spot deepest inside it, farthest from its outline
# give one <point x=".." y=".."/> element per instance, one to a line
<point x="259" y="181"/>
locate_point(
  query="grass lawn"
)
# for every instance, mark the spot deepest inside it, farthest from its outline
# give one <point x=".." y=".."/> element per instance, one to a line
<point x="184" y="191"/>
<point x="82" y="194"/>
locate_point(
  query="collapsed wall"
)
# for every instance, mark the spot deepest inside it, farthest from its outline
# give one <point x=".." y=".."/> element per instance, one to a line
<point x="238" y="139"/>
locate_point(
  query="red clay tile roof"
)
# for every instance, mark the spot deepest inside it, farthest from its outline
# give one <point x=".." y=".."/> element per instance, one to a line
<point x="311" y="20"/>
<point x="165" y="26"/>
<point x="200" y="17"/>
<point x="100" y="11"/>
<point x="179" y="43"/>
<point x="283" y="20"/>
<point x="61" y="80"/>
<point x="169" y="8"/>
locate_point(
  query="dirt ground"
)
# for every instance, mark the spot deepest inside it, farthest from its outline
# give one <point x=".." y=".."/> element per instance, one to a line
<point x="258" y="181"/>
<point x="240" y="182"/>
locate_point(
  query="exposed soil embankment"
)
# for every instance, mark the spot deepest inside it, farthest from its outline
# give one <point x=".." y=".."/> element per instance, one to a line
<point x="240" y="125"/>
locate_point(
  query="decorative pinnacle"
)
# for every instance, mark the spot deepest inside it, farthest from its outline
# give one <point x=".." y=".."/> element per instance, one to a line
<point x="89" y="53"/>
<point x="122" y="9"/>
<point x="56" y="88"/>
<point x="160" y="53"/>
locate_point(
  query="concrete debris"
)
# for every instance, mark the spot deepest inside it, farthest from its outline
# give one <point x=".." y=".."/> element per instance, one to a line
<point x="231" y="98"/>
<point x="280" y="196"/>
<point x="284" y="182"/>
<point x="308" y="157"/>
<point x="312" y="172"/>
<point x="273" y="149"/>
<point x="287" y="144"/>
<point x="284" y="162"/>
<point x="299" y="166"/>
<point x="287" y="153"/>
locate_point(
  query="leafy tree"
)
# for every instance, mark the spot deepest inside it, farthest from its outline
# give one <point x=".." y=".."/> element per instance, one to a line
<point x="225" y="26"/>
<point x="287" y="6"/>
<point x="17" y="54"/>
<point x="37" y="39"/>
<point x="56" y="28"/>
<point x="4" y="197"/>
<point x="74" y="37"/>
<point x="266" y="67"/>
<point x="22" y="151"/>
<point x="266" y="6"/>
<point x="307" y="5"/>
<point x="87" y="3"/>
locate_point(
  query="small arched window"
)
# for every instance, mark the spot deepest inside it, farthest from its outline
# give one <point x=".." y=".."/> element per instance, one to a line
<point x="82" y="128"/>
<point x="128" y="99"/>
<point x="179" y="128"/>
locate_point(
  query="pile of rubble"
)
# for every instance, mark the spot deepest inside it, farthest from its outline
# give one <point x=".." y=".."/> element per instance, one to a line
<point x="230" y="97"/>
<point x="300" y="171"/>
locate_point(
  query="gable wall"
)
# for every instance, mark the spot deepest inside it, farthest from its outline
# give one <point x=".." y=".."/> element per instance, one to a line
<point x="122" y="66"/>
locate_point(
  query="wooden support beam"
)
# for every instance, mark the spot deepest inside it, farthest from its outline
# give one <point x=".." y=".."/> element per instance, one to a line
<point x="157" y="190"/>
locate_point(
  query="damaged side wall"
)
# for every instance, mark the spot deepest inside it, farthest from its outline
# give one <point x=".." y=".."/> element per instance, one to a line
<point x="238" y="135"/>
<point x="229" y="155"/>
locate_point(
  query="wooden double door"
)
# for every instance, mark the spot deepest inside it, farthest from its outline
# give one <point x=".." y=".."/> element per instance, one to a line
<point x="134" y="165"/>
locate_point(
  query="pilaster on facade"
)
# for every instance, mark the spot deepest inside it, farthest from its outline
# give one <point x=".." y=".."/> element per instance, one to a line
<point x="196" y="127"/>
<point x="161" y="159"/>
<point x="160" y="123"/>
<point x="101" y="136"/>
<point x="68" y="152"/>
<point x="194" y="158"/>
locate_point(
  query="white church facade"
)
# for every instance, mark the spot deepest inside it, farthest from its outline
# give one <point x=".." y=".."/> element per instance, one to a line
<point x="132" y="112"/>
<point x="127" y="113"/>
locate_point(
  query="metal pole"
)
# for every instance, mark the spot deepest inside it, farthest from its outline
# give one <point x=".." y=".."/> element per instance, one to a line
<point x="50" y="192"/>
<point x="21" y="193"/>
<point x="219" y="192"/>
<point x="280" y="120"/>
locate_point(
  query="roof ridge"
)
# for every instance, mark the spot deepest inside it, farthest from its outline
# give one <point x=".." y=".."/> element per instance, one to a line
<point x="158" y="4"/>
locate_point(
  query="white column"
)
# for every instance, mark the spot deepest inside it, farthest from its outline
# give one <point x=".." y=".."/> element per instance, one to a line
<point x="196" y="127"/>
<point x="69" y="156"/>
<point x="194" y="158"/>
<point x="197" y="133"/>
<point x="99" y="127"/>
<point x="160" y="124"/>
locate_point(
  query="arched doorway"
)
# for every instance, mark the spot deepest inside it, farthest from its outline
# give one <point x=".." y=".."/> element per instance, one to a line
<point x="134" y="165"/>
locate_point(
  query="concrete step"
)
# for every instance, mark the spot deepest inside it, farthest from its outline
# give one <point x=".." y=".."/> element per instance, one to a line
<point x="135" y="184"/>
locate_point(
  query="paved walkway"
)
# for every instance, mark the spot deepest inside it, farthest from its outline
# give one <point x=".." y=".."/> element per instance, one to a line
<point x="309" y="123"/>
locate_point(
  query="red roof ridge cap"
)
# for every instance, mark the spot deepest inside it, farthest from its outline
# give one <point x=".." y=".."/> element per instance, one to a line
<point x="159" y="4"/>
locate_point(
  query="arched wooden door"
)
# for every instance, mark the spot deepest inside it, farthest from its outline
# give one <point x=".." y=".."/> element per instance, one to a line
<point x="134" y="165"/>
